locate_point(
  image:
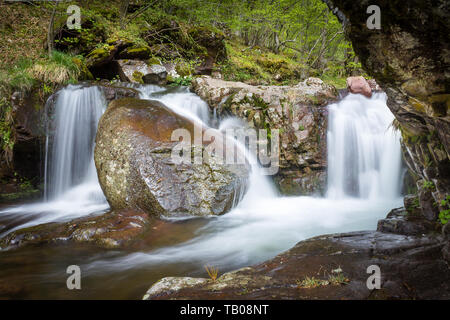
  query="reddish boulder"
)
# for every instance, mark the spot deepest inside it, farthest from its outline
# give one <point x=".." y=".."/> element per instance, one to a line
<point x="359" y="85"/>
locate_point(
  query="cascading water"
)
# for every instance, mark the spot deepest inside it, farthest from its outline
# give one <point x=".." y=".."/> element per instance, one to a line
<point x="71" y="160"/>
<point x="364" y="183"/>
<point x="364" y="157"/>
<point x="71" y="186"/>
<point x="264" y="224"/>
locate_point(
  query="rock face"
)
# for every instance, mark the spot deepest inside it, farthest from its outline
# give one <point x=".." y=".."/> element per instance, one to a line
<point x="359" y="85"/>
<point x="133" y="156"/>
<point x="156" y="75"/>
<point x="132" y="70"/>
<point x="412" y="267"/>
<point x="298" y="112"/>
<point x="409" y="58"/>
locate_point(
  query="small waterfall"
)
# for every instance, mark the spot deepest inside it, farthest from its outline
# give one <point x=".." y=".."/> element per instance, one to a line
<point x="71" y="186"/>
<point x="179" y="100"/>
<point x="364" y="155"/>
<point x="185" y="103"/>
<point x="71" y="161"/>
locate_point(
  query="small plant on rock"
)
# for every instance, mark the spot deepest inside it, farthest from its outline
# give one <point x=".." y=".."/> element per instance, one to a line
<point x="212" y="272"/>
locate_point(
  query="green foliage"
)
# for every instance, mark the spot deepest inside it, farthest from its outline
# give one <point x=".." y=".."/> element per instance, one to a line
<point x="444" y="215"/>
<point x="429" y="185"/>
<point x="182" y="81"/>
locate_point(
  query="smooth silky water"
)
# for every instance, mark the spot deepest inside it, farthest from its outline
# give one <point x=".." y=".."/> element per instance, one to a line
<point x="364" y="183"/>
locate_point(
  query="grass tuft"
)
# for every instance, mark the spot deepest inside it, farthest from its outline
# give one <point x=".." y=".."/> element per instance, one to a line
<point x="212" y="272"/>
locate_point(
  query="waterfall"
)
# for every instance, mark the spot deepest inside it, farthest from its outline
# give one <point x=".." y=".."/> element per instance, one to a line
<point x="364" y="170"/>
<point x="364" y="154"/>
<point x="71" y="185"/>
<point x="190" y="105"/>
<point x="71" y="161"/>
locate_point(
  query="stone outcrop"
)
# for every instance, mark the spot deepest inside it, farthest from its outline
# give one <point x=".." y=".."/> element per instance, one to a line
<point x="136" y="169"/>
<point x="298" y="112"/>
<point x="156" y="75"/>
<point x="331" y="267"/>
<point x="409" y="58"/>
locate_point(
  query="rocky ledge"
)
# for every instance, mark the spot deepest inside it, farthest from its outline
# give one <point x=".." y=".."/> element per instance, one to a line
<point x="412" y="266"/>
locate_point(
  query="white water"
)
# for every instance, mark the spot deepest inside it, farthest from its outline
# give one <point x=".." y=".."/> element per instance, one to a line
<point x="72" y="189"/>
<point x="263" y="224"/>
<point x="364" y="153"/>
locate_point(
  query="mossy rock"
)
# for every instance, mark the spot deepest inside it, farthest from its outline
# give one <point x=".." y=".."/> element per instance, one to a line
<point x="184" y="69"/>
<point x="137" y="76"/>
<point x="136" y="52"/>
<point x="153" y="60"/>
<point x="100" y="56"/>
<point x="85" y="74"/>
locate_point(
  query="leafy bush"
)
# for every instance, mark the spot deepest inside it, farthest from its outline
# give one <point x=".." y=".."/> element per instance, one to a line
<point x="182" y="81"/>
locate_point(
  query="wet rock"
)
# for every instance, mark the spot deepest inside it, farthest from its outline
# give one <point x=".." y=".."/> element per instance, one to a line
<point x="120" y="228"/>
<point x="157" y="74"/>
<point x="411" y="268"/>
<point x="400" y="222"/>
<point x="136" y="168"/>
<point x="298" y="112"/>
<point x="359" y="85"/>
<point x="117" y="91"/>
<point x="373" y="85"/>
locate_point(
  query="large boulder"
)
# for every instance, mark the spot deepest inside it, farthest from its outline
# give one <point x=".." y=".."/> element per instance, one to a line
<point x="298" y="112"/>
<point x="136" y="169"/>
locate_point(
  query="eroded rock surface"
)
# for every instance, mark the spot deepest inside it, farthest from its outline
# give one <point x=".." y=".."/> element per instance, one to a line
<point x="133" y="156"/>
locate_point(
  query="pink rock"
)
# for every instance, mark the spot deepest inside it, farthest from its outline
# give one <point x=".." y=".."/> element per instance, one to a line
<point x="359" y="85"/>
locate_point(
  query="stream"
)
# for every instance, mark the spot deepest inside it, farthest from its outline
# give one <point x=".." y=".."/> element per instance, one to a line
<point x="364" y="184"/>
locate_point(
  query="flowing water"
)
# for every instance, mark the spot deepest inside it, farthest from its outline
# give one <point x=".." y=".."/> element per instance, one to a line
<point x="363" y="185"/>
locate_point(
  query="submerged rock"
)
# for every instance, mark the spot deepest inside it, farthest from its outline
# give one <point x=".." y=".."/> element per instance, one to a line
<point x="298" y="112"/>
<point x="133" y="156"/>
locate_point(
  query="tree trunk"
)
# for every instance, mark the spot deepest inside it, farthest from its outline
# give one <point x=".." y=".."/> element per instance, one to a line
<point x="50" y="32"/>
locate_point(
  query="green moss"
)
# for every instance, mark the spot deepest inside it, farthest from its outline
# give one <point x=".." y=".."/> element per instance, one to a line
<point x="184" y="68"/>
<point x="153" y="60"/>
<point x="138" y="76"/>
<point x="136" y="52"/>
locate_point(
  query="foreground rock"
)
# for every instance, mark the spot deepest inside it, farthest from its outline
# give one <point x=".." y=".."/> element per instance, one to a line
<point x="133" y="156"/>
<point x="298" y="112"/>
<point x="114" y="229"/>
<point x="330" y="267"/>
